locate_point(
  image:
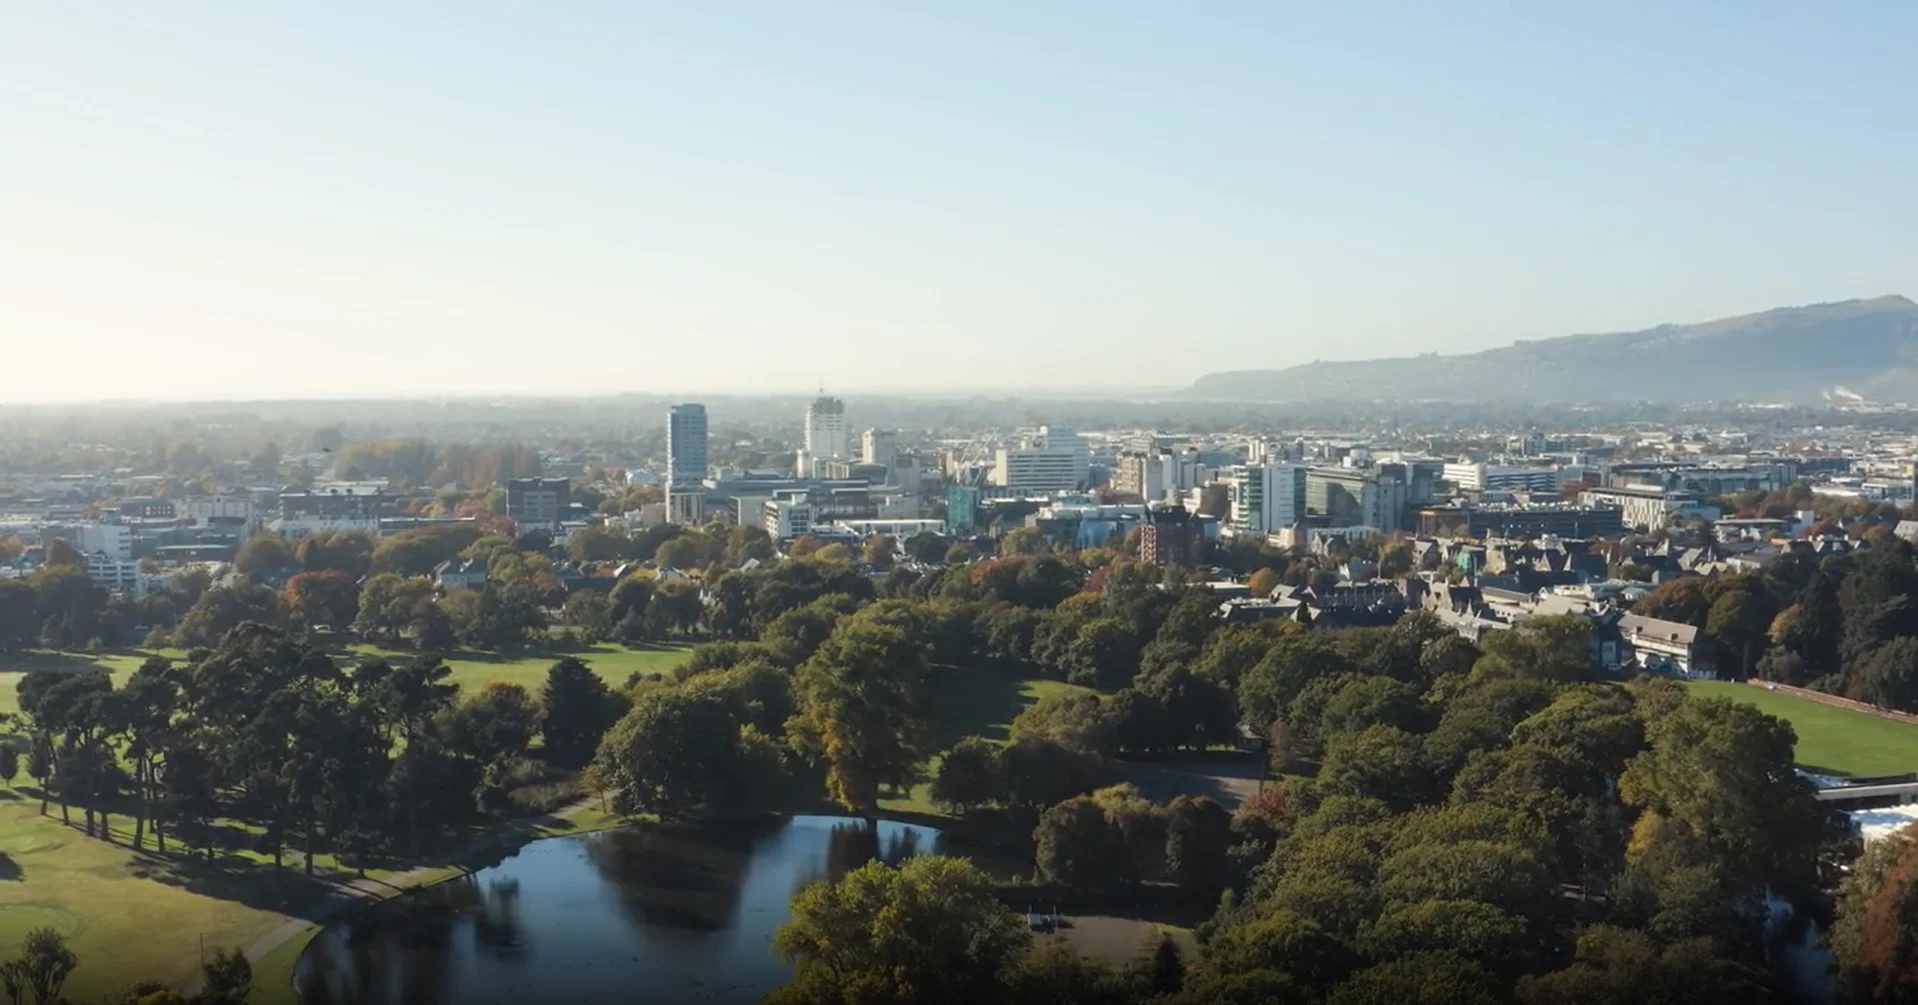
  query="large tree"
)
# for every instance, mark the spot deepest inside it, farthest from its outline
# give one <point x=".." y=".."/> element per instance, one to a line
<point x="864" y="709"/>
<point x="578" y="708"/>
<point x="930" y="932"/>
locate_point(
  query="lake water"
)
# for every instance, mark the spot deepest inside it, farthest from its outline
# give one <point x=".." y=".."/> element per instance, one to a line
<point x="642" y="916"/>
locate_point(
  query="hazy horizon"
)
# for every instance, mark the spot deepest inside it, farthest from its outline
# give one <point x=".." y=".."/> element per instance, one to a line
<point x="228" y="204"/>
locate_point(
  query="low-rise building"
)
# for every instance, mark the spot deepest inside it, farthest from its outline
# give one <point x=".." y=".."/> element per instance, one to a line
<point x="461" y="573"/>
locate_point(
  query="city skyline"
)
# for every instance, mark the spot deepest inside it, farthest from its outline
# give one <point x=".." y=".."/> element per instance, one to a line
<point x="931" y="200"/>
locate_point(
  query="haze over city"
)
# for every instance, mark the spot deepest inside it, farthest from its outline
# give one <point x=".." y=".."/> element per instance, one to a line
<point x="247" y="202"/>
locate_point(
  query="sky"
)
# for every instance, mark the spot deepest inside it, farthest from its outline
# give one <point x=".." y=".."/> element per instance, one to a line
<point x="221" y="200"/>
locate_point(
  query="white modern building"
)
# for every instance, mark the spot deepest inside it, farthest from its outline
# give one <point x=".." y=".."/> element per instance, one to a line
<point x="1648" y="507"/>
<point x="334" y="506"/>
<point x="898" y="529"/>
<point x="1265" y="498"/>
<point x="113" y="540"/>
<point x="1476" y="477"/>
<point x="114" y="575"/>
<point x="787" y="516"/>
<point x="879" y="446"/>
<point x="1052" y="459"/>
<point x="236" y="511"/>
<point x="826" y="436"/>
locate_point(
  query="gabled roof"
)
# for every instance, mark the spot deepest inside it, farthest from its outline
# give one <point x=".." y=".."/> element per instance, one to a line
<point x="1673" y="632"/>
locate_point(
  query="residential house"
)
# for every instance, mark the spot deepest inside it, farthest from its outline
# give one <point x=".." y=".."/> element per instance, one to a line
<point x="464" y="573"/>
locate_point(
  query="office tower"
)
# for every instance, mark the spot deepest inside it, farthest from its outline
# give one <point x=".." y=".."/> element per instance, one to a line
<point x="686" y="446"/>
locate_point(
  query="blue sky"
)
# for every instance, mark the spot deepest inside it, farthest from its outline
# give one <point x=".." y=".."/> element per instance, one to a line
<point x="237" y="200"/>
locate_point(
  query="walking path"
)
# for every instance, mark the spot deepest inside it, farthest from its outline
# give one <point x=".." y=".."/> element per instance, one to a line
<point x="369" y="889"/>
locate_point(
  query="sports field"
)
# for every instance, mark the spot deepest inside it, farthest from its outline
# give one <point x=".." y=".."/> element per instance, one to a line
<point x="1831" y="740"/>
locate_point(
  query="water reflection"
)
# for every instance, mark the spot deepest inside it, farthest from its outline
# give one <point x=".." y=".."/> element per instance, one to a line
<point x="644" y="915"/>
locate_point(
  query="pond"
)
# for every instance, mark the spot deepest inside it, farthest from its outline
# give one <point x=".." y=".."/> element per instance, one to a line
<point x="640" y="915"/>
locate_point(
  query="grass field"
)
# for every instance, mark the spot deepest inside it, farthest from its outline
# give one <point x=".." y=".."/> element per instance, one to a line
<point x="128" y="917"/>
<point x="1831" y="741"/>
<point x="470" y="670"/>
<point x="976" y="703"/>
<point x="141" y="916"/>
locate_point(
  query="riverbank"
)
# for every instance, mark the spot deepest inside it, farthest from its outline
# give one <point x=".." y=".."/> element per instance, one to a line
<point x="276" y="954"/>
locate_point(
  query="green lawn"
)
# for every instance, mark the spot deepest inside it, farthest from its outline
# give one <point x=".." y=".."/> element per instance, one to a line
<point x="1831" y="741"/>
<point x="128" y="917"/>
<point x="975" y="703"/>
<point x="613" y="663"/>
<point x="470" y="670"/>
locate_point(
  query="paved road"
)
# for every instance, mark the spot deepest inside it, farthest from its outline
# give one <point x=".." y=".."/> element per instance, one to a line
<point x="342" y="897"/>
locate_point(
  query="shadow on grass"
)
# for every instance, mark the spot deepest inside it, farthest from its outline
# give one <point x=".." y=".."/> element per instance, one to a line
<point x="10" y="871"/>
<point x="27" y="662"/>
<point x="976" y="703"/>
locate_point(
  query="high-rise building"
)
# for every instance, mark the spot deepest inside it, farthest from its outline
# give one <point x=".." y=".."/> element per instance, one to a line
<point x="686" y="446"/>
<point x="538" y="503"/>
<point x="1265" y="497"/>
<point x="686" y="464"/>
<point x="879" y="446"/>
<point x="826" y="438"/>
<point x="1172" y="535"/>
<point x="1146" y="474"/>
<point x="1054" y="459"/>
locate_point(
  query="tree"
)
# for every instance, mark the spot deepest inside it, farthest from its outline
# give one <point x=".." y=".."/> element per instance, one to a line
<point x="411" y="696"/>
<point x="946" y="940"/>
<point x="497" y="722"/>
<point x="1875" y="948"/>
<point x="227" y="978"/>
<point x="9" y="763"/>
<point x="1264" y="582"/>
<point x="1294" y="661"/>
<point x="19" y="627"/>
<point x="877" y="550"/>
<point x="1553" y="648"/>
<point x="684" y="750"/>
<point x="1888" y="677"/>
<point x="67" y="606"/>
<point x="344" y="551"/>
<point x="630" y="597"/>
<point x="264" y="554"/>
<point x="1198" y="841"/>
<point x="591" y="613"/>
<point x="1381" y="762"/>
<point x="1619" y="965"/>
<point x="1166" y="974"/>
<point x="1036" y="772"/>
<point x="676" y="607"/>
<point x="578" y="710"/>
<point x="41" y="971"/>
<point x="927" y="548"/>
<point x="1683" y="600"/>
<point x="598" y="544"/>
<point x="1023" y="541"/>
<point x="40" y="766"/>
<point x="224" y="608"/>
<point x="1724" y="771"/>
<point x="61" y="554"/>
<point x="330" y="598"/>
<point x="1102" y="655"/>
<point x="968" y="775"/>
<point x="1431" y="978"/>
<point x="863" y="708"/>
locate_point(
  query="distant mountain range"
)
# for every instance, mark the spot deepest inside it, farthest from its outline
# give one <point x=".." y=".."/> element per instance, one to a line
<point x="1845" y="350"/>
